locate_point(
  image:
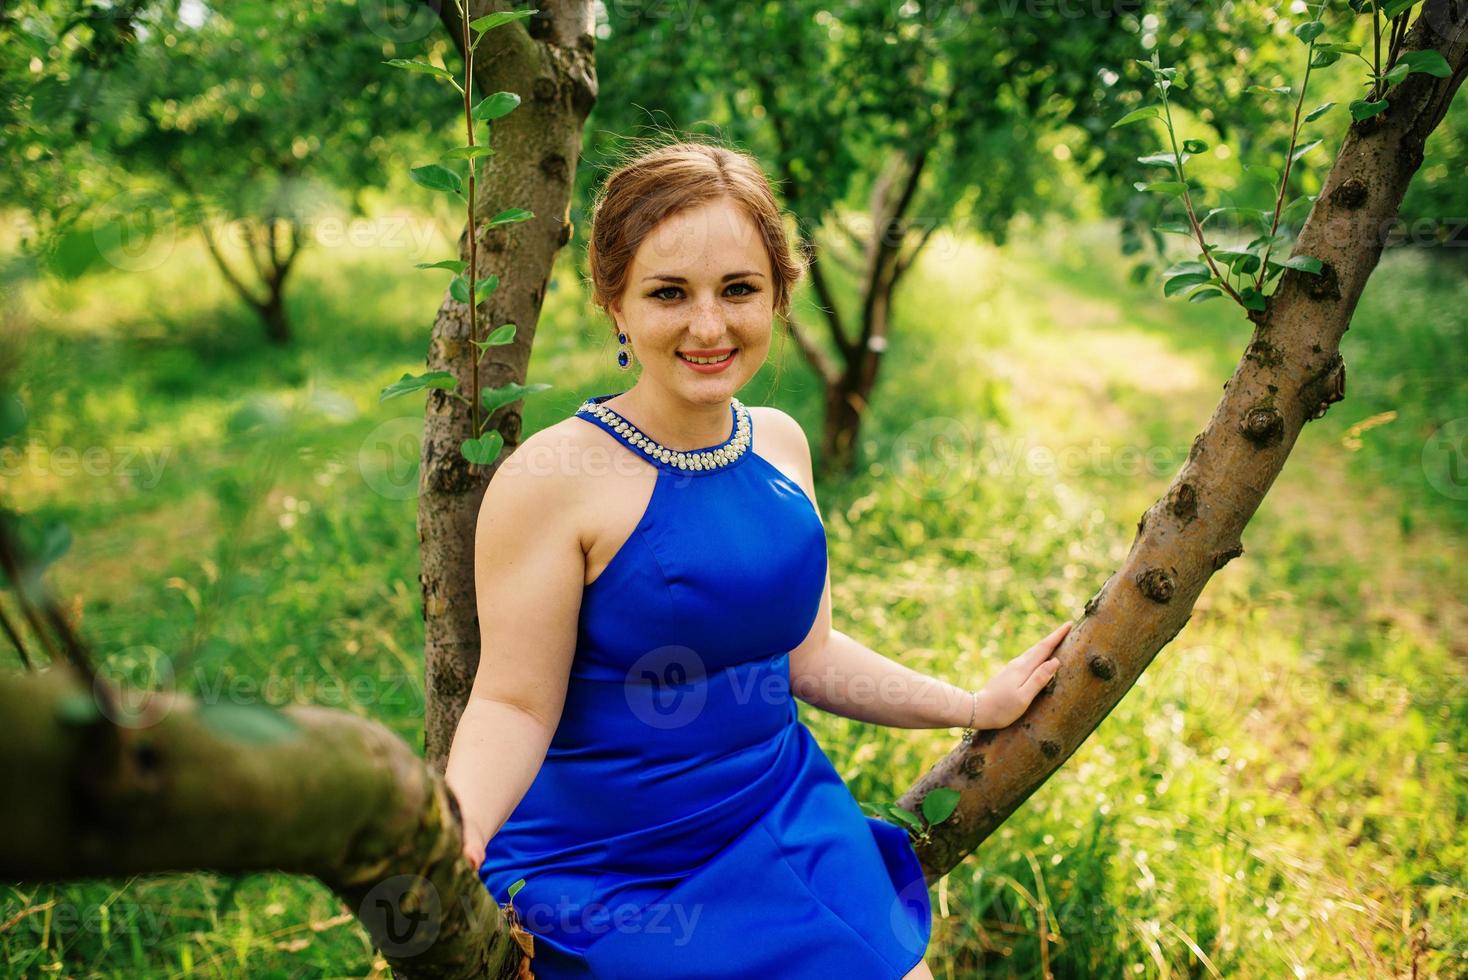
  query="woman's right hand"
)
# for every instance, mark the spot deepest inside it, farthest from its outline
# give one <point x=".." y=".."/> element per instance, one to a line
<point x="1009" y="693"/>
<point x="474" y="853"/>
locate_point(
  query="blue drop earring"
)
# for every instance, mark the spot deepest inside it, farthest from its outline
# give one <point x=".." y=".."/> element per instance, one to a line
<point x="624" y="358"/>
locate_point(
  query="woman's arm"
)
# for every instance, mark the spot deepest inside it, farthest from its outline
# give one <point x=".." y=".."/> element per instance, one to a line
<point x="831" y="671"/>
<point x="849" y="679"/>
<point x="528" y="573"/>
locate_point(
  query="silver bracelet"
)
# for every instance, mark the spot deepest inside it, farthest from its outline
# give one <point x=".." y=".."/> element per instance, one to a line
<point x="973" y="712"/>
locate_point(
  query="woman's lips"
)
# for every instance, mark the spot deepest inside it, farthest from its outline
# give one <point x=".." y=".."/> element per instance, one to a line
<point x="711" y="368"/>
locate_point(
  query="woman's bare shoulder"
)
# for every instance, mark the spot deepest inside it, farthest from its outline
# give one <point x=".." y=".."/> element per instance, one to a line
<point x="559" y="475"/>
<point x="538" y="479"/>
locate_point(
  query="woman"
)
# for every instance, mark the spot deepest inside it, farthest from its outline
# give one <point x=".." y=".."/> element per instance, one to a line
<point x="652" y="588"/>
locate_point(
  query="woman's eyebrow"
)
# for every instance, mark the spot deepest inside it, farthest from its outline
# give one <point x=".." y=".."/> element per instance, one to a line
<point x="727" y="277"/>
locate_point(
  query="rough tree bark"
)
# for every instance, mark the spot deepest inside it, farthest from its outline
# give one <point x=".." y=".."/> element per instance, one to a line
<point x="548" y="61"/>
<point x="231" y="788"/>
<point x="1290" y="372"/>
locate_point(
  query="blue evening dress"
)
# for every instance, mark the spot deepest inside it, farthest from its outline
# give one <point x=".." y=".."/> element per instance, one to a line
<point x="685" y="823"/>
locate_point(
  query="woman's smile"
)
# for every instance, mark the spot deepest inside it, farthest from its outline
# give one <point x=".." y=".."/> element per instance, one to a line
<point x="709" y="361"/>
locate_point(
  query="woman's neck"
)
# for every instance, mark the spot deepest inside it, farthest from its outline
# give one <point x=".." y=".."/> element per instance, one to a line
<point x="674" y="422"/>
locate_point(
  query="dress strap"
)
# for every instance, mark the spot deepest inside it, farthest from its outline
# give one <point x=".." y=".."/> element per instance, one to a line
<point x="693" y="462"/>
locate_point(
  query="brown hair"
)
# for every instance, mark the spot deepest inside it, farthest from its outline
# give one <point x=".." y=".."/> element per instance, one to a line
<point x="670" y="178"/>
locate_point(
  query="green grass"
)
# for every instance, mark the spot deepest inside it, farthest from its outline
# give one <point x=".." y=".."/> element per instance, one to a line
<point x="1282" y="793"/>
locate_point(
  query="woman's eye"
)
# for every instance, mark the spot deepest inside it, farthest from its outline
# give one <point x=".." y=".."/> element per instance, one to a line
<point x="658" y="293"/>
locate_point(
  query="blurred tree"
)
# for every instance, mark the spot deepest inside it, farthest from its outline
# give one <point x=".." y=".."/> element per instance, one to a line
<point x="230" y="116"/>
<point x="917" y="116"/>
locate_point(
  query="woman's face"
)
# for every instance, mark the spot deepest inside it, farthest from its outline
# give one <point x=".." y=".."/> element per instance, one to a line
<point x="700" y="284"/>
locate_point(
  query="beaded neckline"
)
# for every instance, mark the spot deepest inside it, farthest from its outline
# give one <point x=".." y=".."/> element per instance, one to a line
<point x="692" y="461"/>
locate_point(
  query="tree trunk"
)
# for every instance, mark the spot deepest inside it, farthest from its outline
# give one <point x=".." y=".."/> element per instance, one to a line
<point x="547" y="60"/>
<point x="272" y="311"/>
<point x="849" y="387"/>
<point x="1290" y="372"/>
<point x="175" y="785"/>
<point x="842" y="425"/>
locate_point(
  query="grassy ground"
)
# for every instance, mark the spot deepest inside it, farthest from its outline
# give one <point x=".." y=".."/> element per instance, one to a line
<point x="1283" y="792"/>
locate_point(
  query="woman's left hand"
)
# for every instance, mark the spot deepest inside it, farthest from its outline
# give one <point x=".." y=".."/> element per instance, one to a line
<point x="1009" y="692"/>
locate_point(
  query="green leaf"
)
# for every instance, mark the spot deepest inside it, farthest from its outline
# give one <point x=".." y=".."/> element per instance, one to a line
<point x="483" y="450"/>
<point x="1238" y="262"/>
<point x="1324" y="59"/>
<point x="1162" y="187"/>
<point x="1299" y="205"/>
<point x="410" y="383"/>
<point x="938" y="805"/>
<point x="1178" y="284"/>
<point x="1393" y="8"/>
<point x="490" y="22"/>
<point x="1303" y="149"/>
<point x="453" y="265"/>
<point x="516" y="887"/>
<point x="1319" y="111"/>
<point x="78" y="709"/>
<point x="254" y="724"/>
<point x="1428" y="61"/>
<point x="42" y="541"/>
<point x="1276" y="241"/>
<point x="1193" y="146"/>
<point x="12" y="415"/>
<point x="1339" y="48"/>
<point x="496" y="105"/>
<point x="459" y="289"/>
<point x="485" y="287"/>
<point x="903" y="815"/>
<point x="495" y="398"/>
<point x="437" y="177"/>
<point x="1304" y="263"/>
<point x="1264" y="172"/>
<point x="1137" y="115"/>
<point x="1163" y="159"/>
<point x="1174" y="228"/>
<point x="1361" y="109"/>
<point x="469" y="152"/>
<point x="510" y="216"/>
<point x="1189" y="267"/>
<point x="503" y="334"/>
<point x="422" y="68"/>
<point x="1203" y="294"/>
<point x="1258" y="217"/>
<point x="1397" y="73"/>
<point x="1309" y="30"/>
<point x="1253" y="299"/>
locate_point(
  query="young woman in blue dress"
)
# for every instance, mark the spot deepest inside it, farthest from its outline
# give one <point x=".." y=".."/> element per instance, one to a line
<point x="690" y="260"/>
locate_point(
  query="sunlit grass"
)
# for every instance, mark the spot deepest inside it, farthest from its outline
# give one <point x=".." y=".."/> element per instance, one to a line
<point x="1281" y="794"/>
